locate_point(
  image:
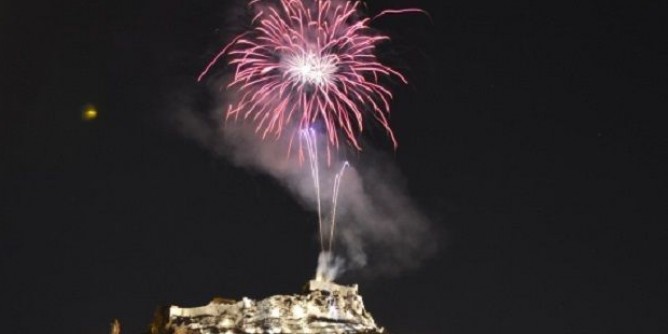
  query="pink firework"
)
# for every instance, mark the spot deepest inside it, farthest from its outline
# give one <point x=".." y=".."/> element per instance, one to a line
<point x="305" y="62"/>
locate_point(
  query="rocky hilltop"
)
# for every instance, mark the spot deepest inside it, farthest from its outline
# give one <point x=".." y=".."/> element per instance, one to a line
<point x="323" y="308"/>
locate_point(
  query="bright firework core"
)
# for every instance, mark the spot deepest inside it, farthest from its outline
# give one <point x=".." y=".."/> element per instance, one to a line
<point x="311" y="69"/>
<point x="309" y="61"/>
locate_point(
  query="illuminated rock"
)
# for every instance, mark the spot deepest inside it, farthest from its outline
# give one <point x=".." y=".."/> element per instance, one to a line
<point x="324" y="308"/>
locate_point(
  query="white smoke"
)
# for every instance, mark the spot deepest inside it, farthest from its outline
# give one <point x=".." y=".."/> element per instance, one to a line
<point x="329" y="267"/>
<point x="379" y="228"/>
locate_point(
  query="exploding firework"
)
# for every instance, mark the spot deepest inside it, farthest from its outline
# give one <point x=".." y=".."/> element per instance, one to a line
<point x="305" y="65"/>
<point x="304" y="62"/>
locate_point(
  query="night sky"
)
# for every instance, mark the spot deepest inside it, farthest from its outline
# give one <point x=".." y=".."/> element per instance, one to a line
<point x="529" y="133"/>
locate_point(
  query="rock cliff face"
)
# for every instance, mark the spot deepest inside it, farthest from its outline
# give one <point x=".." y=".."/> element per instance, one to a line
<point x="323" y="308"/>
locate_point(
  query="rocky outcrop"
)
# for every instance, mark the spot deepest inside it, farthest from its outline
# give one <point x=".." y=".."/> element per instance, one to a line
<point x="324" y="308"/>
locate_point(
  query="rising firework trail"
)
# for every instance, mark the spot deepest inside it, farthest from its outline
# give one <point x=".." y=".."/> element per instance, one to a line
<point x="308" y="61"/>
<point x="335" y="199"/>
<point x="309" y="137"/>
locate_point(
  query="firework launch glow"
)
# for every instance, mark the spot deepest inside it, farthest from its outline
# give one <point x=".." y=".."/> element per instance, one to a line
<point x="304" y="62"/>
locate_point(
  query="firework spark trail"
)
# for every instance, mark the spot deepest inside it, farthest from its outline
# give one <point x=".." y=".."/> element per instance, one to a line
<point x="308" y="61"/>
<point x="309" y="137"/>
<point x="335" y="198"/>
<point x="402" y="11"/>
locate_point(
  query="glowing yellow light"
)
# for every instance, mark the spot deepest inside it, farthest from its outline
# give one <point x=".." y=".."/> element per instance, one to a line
<point x="89" y="113"/>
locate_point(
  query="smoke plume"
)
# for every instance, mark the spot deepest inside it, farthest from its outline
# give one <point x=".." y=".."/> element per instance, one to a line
<point x="379" y="230"/>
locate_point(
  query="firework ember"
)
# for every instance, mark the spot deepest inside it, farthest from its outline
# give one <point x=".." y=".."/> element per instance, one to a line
<point x="305" y="62"/>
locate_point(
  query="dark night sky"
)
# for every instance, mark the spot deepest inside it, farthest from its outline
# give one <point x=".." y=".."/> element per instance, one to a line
<point x="530" y="132"/>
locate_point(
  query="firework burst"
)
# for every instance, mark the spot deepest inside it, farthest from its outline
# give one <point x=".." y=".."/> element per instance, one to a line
<point x="304" y="62"/>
